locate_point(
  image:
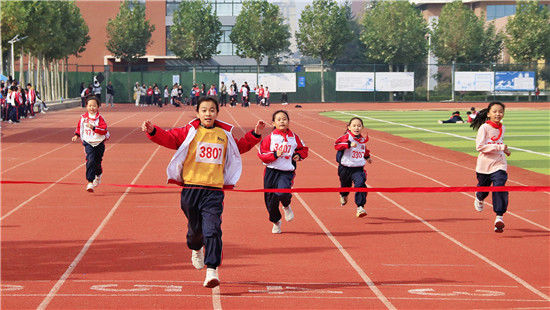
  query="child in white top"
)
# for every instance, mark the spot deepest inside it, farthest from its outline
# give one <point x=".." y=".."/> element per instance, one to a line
<point x="279" y="152"/>
<point x="491" y="163"/>
<point x="92" y="130"/>
<point x="352" y="156"/>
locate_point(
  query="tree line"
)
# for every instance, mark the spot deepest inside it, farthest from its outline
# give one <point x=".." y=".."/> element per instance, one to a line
<point x="389" y="32"/>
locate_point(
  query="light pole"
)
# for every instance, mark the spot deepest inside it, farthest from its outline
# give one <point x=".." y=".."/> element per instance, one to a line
<point x="428" y="68"/>
<point x="12" y="41"/>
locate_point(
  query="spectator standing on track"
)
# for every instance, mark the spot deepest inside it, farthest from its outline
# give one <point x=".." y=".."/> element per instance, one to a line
<point x="491" y="162"/>
<point x="212" y="91"/>
<point x="97" y="90"/>
<point x="279" y="152"/>
<point x="92" y="130"/>
<point x="266" y="96"/>
<point x="245" y="91"/>
<point x="109" y="97"/>
<point x="223" y="94"/>
<point x="137" y="93"/>
<point x="31" y="99"/>
<point x="207" y="159"/>
<point x="166" y="95"/>
<point x="352" y="155"/>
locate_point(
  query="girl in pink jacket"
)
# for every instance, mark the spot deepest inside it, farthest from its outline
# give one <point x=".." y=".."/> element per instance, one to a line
<point x="491" y="162"/>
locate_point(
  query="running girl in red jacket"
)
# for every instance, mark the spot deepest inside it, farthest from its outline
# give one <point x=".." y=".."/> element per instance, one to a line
<point x="279" y="152"/>
<point x="352" y="156"/>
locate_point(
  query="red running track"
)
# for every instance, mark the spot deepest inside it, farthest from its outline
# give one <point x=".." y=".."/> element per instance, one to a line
<point x="64" y="248"/>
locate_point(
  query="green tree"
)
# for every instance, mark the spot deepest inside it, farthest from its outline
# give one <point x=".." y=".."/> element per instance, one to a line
<point x="260" y="32"/>
<point x="457" y="34"/>
<point x="324" y="31"/>
<point x="528" y="32"/>
<point x="354" y="50"/>
<point x="129" y="34"/>
<point x="492" y="45"/>
<point x="196" y="32"/>
<point x="394" y="32"/>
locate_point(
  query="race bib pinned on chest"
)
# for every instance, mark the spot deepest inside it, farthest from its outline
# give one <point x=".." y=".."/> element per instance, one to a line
<point x="210" y="153"/>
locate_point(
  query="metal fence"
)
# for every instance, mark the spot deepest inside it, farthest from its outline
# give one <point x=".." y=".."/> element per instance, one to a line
<point x="436" y="86"/>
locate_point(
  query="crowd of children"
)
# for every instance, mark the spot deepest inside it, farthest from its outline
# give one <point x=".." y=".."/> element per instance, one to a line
<point x="457" y="119"/>
<point x="18" y="102"/>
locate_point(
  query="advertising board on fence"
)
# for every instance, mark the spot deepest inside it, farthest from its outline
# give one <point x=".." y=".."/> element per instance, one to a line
<point x="515" y="81"/>
<point x="277" y="82"/>
<point x="394" y="81"/>
<point x="355" y="81"/>
<point x="474" y="81"/>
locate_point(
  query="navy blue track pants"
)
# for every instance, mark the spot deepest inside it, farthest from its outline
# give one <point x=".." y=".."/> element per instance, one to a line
<point x="358" y="176"/>
<point x="500" y="199"/>
<point x="94" y="156"/>
<point x="274" y="178"/>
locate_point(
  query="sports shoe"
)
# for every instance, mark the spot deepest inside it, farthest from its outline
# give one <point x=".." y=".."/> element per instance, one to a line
<point x="361" y="212"/>
<point x="343" y="200"/>
<point x="197" y="258"/>
<point x="97" y="180"/>
<point x="289" y="215"/>
<point x="90" y="187"/>
<point x="211" y="280"/>
<point x="499" y="225"/>
<point x="478" y="204"/>
<point x="276" y="228"/>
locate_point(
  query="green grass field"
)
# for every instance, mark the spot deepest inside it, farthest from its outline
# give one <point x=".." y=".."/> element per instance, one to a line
<point x="527" y="132"/>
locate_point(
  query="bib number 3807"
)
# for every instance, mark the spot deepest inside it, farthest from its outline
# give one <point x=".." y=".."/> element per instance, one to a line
<point x="211" y="153"/>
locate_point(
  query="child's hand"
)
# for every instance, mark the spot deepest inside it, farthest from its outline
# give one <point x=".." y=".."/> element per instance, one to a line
<point x="507" y="151"/>
<point x="74" y="138"/>
<point x="260" y="126"/>
<point x="279" y="152"/>
<point x="353" y="144"/>
<point x="147" y="126"/>
<point x="369" y="160"/>
<point x="89" y="125"/>
<point x="296" y="157"/>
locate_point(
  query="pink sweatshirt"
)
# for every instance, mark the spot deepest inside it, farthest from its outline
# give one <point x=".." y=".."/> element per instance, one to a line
<point x="490" y="146"/>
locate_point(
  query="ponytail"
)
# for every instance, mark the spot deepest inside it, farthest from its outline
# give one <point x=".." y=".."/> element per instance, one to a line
<point x="481" y="116"/>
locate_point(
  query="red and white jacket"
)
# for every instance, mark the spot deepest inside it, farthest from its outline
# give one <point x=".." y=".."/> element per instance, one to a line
<point x="180" y="138"/>
<point x="31" y="97"/>
<point x="490" y="146"/>
<point x="289" y="142"/>
<point x="93" y="136"/>
<point x="355" y="156"/>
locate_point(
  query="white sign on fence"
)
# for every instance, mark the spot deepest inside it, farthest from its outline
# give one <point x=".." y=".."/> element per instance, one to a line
<point x="277" y="82"/>
<point x="394" y="81"/>
<point x="355" y="81"/>
<point x="474" y="81"/>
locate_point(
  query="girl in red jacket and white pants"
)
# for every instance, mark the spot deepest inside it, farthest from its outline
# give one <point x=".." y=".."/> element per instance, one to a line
<point x="92" y="130"/>
<point x="352" y="156"/>
<point x="279" y="152"/>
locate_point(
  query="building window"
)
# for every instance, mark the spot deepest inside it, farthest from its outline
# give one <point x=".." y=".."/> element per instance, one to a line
<point x="139" y="2"/>
<point x="226" y="47"/>
<point x="168" y="51"/>
<point x="498" y="11"/>
<point x="171" y="7"/>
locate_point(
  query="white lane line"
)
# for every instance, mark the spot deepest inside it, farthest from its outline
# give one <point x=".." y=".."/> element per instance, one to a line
<point x="475" y="253"/>
<point x="439" y="132"/>
<point x="340" y="248"/>
<point x="60" y="179"/>
<point x="96" y="233"/>
<point x="51" y="151"/>
<point x="438" y="182"/>
<point x="426" y="265"/>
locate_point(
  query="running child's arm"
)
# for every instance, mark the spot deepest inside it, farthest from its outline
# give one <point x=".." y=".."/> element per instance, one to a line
<point x="482" y="146"/>
<point x="251" y="138"/>
<point x="101" y="127"/>
<point x="265" y="154"/>
<point x="342" y="143"/>
<point x="171" y="139"/>
<point x="301" y="150"/>
<point x="76" y="132"/>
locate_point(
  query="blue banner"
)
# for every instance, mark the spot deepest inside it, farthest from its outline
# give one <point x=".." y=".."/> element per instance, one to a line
<point x="514" y="81"/>
<point x="301" y="81"/>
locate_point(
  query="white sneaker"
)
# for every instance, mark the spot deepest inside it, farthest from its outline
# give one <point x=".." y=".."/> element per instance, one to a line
<point x="10" y="121"/>
<point x="499" y="225"/>
<point x="197" y="258"/>
<point x="478" y="204"/>
<point x="289" y="215"/>
<point x="97" y="180"/>
<point x="361" y="212"/>
<point x="343" y="200"/>
<point x="211" y="280"/>
<point x="43" y="112"/>
<point x="276" y="228"/>
<point x="90" y="187"/>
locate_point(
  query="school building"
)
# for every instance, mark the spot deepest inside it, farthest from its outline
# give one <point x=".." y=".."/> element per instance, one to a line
<point x="160" y="14"/>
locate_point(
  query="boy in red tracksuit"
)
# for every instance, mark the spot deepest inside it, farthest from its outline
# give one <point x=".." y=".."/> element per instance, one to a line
<point x="31" y="98"/>
<point x="206" y="161"/>
<point x="92" y="130"/>
<point x="352" y="156"/>
<point x="279" y="152"/>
